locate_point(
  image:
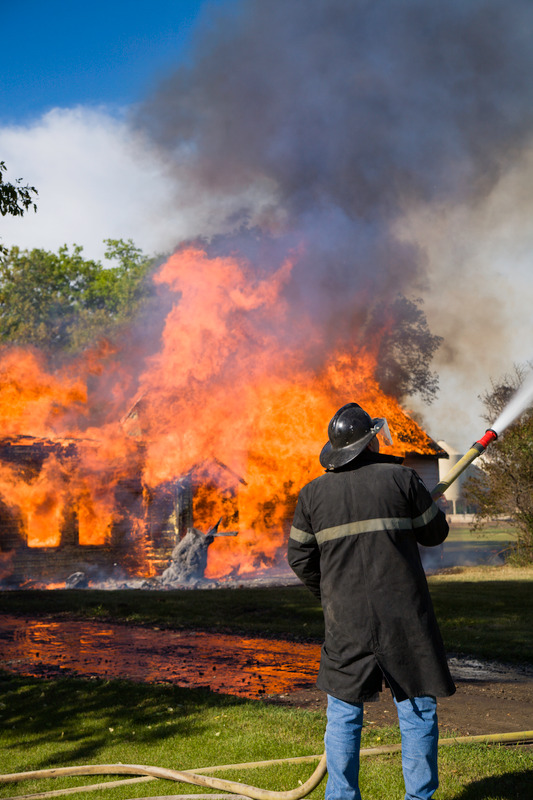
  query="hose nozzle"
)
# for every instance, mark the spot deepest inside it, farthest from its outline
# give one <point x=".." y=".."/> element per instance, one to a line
<point x="475" y="451"/>
<point x="490" y="436"/>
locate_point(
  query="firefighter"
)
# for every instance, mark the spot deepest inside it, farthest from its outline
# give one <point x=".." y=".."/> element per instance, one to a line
<point x="354" y="544"/>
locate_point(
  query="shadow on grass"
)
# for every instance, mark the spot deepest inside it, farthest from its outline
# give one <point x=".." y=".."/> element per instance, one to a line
<point x="487" y="619"/>
<point x="288" y="612"/>
<point x="82" y="717"/>
<point x="511" y="786"/>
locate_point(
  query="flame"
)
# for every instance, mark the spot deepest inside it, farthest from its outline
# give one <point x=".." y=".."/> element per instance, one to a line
<point x="33" y="399"/>
<point x="229" y="398"/>
<point x="40" y="502"/>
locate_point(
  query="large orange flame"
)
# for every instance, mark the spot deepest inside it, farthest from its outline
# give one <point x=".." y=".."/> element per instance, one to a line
<point x="230" y="398"/>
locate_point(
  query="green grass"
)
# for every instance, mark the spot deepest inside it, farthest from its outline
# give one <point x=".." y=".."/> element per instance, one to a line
<point x="486" y="612"/>
<point x="501" y="532"/>
<point x="498" y="538"/>
<point x="54" y="723"/>
<point x="466" y="772"/>
<point x="73" y="720"/>
<point x="491" y="544"/>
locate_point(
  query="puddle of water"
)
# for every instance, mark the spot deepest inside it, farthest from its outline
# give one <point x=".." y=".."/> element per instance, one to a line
<point x="226" y="663"/>
<point x="248" y="667"/>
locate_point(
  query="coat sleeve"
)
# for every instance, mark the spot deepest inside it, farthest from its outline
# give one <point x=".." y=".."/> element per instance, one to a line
<point x="303" y="553"/>
<point x="429" y="522"/>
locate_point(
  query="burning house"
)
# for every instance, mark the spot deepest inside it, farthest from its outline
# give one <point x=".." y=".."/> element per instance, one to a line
<point x="151" y="531"/>
<point x="48" y="522"/>
<point x="227" y="426"/>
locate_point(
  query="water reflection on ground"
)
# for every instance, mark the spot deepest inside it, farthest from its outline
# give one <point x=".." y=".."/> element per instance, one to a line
<point x="226" y="663"/>
<point x="248" y="667"/>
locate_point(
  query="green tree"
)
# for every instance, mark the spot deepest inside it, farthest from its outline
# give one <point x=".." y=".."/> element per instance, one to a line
<point x="503" y="484"/>
<point x="404" y="348"/>
<point x="64" y="301"/>
<point x="15" y="199"/>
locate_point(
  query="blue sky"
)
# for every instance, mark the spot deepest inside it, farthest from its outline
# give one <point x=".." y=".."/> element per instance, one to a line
<point x="58" y="53"/>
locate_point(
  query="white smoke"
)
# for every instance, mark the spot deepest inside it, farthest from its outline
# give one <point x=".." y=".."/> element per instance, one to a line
<point x="479" y="297"/>
<point x="98" y="179"/>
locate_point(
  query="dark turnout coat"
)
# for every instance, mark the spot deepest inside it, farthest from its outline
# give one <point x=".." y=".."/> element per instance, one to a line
<point x="353" y="543"/>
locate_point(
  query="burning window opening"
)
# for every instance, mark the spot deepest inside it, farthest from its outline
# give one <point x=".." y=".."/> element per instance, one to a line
<point x="152" y="531"/>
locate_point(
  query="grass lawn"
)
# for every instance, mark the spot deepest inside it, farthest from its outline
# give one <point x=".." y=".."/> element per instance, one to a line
<point x="486" y="612"/>
<point x="54" y="723"/>
<point x="489" y="546"/>
<point x="499" y="532"/>
<point x="491" y="537"/>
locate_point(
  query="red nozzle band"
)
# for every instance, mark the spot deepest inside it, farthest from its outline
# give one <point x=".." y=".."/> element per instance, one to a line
<point x="489" y="437"/>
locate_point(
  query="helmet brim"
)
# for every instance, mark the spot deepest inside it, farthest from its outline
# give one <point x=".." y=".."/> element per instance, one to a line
<point x="333" y="458"/>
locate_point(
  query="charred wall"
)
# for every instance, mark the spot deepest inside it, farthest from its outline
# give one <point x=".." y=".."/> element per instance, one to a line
<point x="147" y="522"/>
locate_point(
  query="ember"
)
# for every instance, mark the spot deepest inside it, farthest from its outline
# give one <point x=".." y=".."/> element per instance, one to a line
<point x="225" y="422"/>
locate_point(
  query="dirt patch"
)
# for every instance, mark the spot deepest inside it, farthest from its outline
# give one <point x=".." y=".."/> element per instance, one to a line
<point x="490" y="698"/>
<point x="479" y="707"/>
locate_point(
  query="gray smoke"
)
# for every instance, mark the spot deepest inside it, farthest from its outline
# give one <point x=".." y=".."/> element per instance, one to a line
<point x="327" y="122"/>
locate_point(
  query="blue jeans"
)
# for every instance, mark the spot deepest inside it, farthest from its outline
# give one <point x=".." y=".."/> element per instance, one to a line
<point x="419" y="729"/>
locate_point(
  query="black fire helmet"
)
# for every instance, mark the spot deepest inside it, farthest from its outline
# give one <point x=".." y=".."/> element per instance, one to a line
<point x="349" y="432"/>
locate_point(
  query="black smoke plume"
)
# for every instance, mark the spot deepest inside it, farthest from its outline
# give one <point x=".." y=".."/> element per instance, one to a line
<point x="315" y="126"/>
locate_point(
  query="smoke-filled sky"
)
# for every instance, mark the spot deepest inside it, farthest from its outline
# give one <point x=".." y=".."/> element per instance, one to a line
<point x="389" y="143"/>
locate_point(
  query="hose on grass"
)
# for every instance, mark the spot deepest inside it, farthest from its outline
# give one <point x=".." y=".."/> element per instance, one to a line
<point x="233" y="789"/>
<point x="184" y="777"/>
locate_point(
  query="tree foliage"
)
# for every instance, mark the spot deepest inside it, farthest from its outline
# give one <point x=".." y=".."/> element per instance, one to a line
<point x="504" y="483"/>
<point x="15" y="199"/>
<point x="64" y="301"/>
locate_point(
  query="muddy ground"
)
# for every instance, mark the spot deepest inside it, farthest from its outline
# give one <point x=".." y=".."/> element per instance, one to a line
<point x="478" y="707"/>
<point x="490" y="697"/>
